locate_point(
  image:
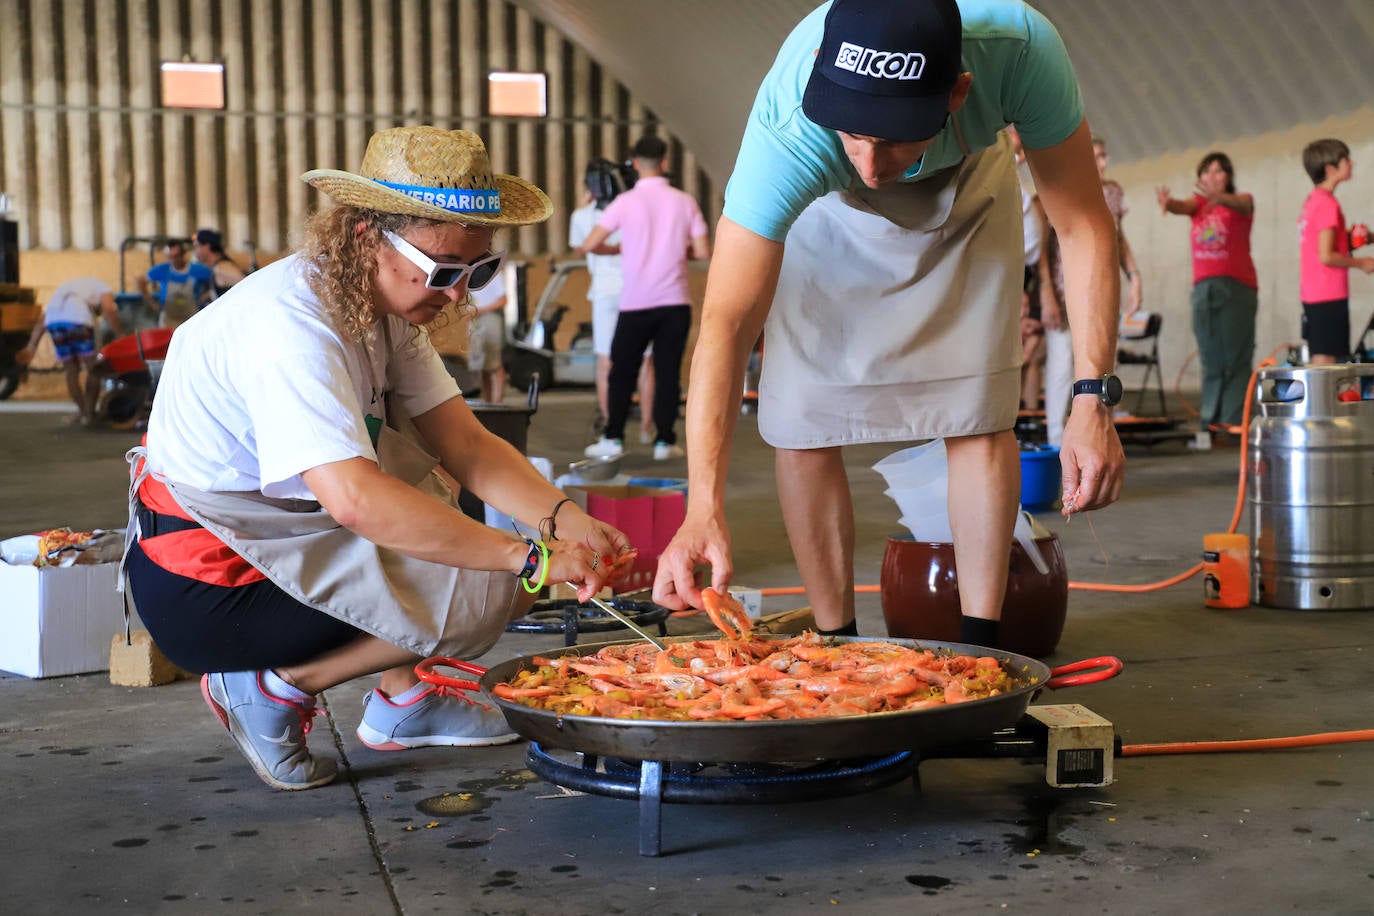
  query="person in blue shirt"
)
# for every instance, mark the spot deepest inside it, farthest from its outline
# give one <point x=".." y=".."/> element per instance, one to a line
<point x="183" y="286"/>
<point x="873" y="220"/>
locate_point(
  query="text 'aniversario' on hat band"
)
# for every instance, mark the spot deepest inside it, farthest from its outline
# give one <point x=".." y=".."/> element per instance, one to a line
<point x="456" y="200"/>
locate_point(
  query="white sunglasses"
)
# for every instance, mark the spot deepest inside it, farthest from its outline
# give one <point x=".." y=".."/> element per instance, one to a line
<point x="446" y="275"/>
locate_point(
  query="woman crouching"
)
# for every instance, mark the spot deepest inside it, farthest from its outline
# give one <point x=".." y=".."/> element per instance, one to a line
<point x="288" y="534"/>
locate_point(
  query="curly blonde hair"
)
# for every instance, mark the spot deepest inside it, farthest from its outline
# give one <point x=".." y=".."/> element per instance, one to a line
<point x="341" y="265"/>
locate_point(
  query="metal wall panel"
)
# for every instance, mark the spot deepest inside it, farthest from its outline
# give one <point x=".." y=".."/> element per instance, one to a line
<point x="88" y="157"/>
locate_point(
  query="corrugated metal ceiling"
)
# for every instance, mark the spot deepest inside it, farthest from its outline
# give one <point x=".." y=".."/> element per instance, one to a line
<point x="1158" y="76"/>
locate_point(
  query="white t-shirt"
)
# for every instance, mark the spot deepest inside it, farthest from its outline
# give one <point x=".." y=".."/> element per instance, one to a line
<point x="495" y="289"/>
<point x="604" y="268"/>
<point x="261" y="385"/>
<point x="75" y="302"/>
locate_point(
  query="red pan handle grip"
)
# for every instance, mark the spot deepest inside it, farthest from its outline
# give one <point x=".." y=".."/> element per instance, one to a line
<point x="425" y="672"/>
<point x="1063" y="676"/>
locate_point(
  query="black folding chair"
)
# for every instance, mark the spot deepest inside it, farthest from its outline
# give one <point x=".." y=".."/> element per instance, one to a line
<point x="1147" y="358"/>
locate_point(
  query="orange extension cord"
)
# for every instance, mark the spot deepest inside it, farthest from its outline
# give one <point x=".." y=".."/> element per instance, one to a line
<point x="1253" y="744"/>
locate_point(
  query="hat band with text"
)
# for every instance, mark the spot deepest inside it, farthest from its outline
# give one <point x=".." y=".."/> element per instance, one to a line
<point x="455" y="200"/>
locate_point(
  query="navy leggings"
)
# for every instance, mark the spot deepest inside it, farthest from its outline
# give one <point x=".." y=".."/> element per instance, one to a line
<point x="205" y="628"/>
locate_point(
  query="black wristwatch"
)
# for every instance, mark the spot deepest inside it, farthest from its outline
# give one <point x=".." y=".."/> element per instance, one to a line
<point x="1107" y="389"/>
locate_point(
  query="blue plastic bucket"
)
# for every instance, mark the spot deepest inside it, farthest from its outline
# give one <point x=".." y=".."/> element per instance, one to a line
<point x="1040" y="479"/>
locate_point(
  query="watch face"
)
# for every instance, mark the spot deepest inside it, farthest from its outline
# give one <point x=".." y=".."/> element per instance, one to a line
<point x="1111" y="390"/>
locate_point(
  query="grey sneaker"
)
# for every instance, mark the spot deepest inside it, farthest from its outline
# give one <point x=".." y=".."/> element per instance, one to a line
<point x="270" y="732"/>
<point x="435" y="718"/>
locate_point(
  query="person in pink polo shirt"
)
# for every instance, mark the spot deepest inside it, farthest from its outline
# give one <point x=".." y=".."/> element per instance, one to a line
<point x="1325" y="259"/>
<point x="660" y="228"/>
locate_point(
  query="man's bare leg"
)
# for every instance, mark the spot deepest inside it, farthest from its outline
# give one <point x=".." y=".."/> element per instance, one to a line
<point x="819" y="514"/>
<point x="72" y="370"/>
<point x="984" y="491"/>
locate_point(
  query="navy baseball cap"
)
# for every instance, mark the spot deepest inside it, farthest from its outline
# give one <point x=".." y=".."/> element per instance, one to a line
<point x="886" y="67"/>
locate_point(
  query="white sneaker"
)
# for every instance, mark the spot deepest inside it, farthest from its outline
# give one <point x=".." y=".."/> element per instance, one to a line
<point x="646" y="435"/>
<point x="605" y="448"/>
<point x="663" y="451"/>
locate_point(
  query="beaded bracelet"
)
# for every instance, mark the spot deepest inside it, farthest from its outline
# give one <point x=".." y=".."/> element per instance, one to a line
<point x="544" y="571"/>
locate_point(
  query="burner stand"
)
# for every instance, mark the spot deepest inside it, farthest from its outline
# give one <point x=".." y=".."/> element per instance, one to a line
<point x="570" y="618"/>
<point x="655" y="782"/>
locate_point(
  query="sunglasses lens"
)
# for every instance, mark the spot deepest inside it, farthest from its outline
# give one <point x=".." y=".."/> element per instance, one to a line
<point x="484" y="273"/>
<point x="445" y="277"/>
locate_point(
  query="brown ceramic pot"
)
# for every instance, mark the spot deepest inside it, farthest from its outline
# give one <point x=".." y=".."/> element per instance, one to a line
<point x="920" y="595"/>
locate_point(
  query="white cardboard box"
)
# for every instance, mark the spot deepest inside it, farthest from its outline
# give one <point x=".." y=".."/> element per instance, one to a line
<point x="58" y="620"/>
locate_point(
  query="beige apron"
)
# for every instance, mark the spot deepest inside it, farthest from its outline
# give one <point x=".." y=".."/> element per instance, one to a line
<point x="427" y="608"/>
<point x="896" y="311"/>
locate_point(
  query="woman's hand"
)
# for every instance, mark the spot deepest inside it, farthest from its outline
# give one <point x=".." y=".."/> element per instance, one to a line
<point x="578" y="565"/>
<point x="1208" y="193"/>
<point x="1163" y="196"/>
<point x="604" y="548"/>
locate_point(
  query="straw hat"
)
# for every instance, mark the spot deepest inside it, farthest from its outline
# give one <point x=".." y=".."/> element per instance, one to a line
<point x="434" y="174"/>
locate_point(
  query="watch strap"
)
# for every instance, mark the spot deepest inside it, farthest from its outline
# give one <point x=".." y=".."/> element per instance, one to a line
<point x="1093" y="386"/>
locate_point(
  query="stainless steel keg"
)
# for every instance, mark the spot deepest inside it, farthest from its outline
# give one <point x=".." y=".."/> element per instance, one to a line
<point x="1311" y="488"/>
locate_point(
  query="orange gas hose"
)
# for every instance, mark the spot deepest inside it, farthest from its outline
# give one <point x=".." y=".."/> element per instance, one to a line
<point x="1235" y="515"/>
<point x="1189" y="409"/>
<point x="1255" y="744"/>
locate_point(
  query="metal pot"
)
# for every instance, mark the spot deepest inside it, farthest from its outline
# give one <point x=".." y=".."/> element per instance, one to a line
<point x="782" y="739"/>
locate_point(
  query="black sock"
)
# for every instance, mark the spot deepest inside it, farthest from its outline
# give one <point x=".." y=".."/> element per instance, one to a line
<point x="978" y="631"/>
<point x="849" y="629"/>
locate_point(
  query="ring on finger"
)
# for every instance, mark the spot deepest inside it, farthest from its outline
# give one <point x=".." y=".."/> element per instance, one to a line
<point x="596" y="561"/>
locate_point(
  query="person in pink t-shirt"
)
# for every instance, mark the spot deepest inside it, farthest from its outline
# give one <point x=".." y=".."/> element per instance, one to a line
<point x="1225" y="289"/>
<point x="1324" y="253"/>
<point x="660" y="227"/>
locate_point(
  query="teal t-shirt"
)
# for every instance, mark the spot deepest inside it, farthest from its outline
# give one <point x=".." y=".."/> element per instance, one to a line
<point x="1021" y="75"/>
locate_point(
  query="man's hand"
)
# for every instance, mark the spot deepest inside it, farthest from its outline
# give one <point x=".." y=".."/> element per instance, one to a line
<point x="1135" y="296"/>
<point x="1093" y="462"/>
<point x="1051" y="315"/>
<point x="699" y="540"/>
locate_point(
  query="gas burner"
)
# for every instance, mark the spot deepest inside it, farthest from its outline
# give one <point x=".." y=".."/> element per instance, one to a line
<point x="655" y="782"/>
<point x="1075" y="745"/>
<point x="570" y="618"/>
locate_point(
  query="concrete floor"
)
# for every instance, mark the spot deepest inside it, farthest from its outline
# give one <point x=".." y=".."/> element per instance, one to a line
<point x="134" y="800"/>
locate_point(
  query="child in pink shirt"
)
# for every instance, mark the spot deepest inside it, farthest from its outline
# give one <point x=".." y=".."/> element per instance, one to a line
<point x="1325" y="259"/>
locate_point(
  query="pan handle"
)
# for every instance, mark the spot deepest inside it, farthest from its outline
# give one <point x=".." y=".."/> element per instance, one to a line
<point x="1063" y="676"/>
<point x="425" y="672"/>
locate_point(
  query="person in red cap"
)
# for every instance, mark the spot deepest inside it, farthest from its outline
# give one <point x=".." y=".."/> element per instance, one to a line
<point x="873" y="222"/>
